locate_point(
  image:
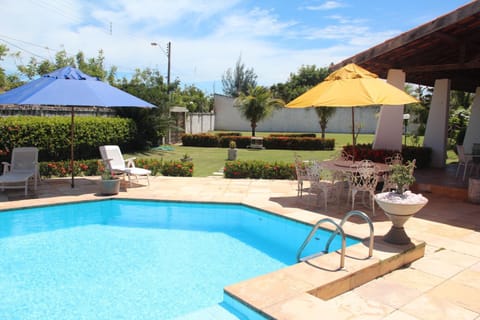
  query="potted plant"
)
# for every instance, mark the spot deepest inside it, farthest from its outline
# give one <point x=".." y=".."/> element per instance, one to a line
<point x="232" y="150"/>
<point x="186" y="158"/>
<point x="400" y="205"/>
<point x="109" y="184"/>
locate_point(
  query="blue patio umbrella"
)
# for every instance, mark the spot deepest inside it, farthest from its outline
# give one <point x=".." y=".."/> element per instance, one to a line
<point x="71" y="87"/>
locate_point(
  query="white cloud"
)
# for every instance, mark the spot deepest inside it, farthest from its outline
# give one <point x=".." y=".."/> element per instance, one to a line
<point x="207" y="36"/>
<point x="327" y="5"/>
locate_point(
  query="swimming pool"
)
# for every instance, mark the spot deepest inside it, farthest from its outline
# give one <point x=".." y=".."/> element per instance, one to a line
<point x="130" y="259"/>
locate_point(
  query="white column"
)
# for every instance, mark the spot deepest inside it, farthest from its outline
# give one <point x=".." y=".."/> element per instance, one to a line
<point x="388" y="134"/>
<point x="472" y="135"/>
<point x="437" y="123"/>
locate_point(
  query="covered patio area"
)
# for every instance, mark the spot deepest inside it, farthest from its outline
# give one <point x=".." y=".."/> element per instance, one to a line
<point x="443" y="54"/>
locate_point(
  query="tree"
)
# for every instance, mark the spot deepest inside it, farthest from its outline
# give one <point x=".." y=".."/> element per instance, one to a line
<point x="324" y="114"/>
<point x="297" y="84"/>
<point x="257" y="105"/>
<point x="193" y="99"/>
<point x="238" y="80"/>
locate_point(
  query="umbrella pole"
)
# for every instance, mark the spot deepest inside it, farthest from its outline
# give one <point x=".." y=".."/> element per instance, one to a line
<point x="353" y="134"/>
<point x="72" y="129"/>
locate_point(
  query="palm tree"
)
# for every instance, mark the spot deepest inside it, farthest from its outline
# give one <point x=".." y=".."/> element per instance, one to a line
<point x="324" y="114"/>
<point x="257" y="104"/>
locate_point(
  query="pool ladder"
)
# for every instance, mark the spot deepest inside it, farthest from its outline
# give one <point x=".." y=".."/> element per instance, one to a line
<point x="338" y="230"/>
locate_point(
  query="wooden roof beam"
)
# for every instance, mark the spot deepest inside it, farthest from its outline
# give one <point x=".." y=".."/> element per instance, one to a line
<point x="443" y="67"/>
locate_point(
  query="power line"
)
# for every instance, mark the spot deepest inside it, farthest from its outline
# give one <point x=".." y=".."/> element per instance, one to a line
<point x="23" y="49"/>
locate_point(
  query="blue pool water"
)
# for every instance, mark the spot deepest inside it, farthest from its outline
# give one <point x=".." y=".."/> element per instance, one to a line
<point x="127" y="259"/>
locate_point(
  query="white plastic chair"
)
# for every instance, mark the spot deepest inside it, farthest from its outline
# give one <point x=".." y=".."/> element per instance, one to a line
<point x="22" y="168"/>
<point x="114" y="161"/>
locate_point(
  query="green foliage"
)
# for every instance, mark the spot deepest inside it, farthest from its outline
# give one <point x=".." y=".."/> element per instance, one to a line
<point x="401" y="175"/>
<point x="293" y="143"/>
<point x="96" y="168"/>
<point x="238" y="80"/>
<point x="257" y="105"/>
<point x="259" y="170"/>
<point x="240" y="142"/>
<point x="177" y="168"/>
<point x="271" y="142"/>
<point x="223" y="134"/>
<point x="204" y="140"/>
<point x="294" y="135"/>
<point x="51" y="135"/>
<point x="63" y="168"/>
<point x="298" y="83"/>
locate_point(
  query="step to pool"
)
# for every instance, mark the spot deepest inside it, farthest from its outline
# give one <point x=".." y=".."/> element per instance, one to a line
<point x="321" y="278"/>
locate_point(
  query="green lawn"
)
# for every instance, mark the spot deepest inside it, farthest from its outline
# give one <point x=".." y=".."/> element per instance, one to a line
<point x="209" y="160"/>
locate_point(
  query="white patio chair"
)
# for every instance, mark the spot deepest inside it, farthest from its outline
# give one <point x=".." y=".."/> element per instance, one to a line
<point x="397" y="158"/>
<point x="114" y="161"/>
<point x="22" y="168"/>
<point x="363" y="178"/>
<point x="301" y="172"/>
<point x="318" y="184"/>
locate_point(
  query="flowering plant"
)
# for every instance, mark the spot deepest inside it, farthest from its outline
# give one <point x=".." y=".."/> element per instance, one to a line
<point x="108" y="175"/>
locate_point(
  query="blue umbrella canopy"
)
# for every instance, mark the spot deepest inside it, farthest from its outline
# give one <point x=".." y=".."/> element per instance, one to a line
<point x="69" y="86"/>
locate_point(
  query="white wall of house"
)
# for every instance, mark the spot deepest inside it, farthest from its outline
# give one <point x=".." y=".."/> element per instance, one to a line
<point x="229" y="118"/>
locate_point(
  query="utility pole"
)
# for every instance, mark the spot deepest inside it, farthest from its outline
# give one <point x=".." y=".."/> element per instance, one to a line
<point x="168" y="54"/>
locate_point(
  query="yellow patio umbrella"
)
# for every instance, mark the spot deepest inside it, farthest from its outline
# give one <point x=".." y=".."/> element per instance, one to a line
<point x="352" y="86"/>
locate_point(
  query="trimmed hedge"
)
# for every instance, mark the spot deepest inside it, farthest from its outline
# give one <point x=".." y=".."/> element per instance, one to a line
<point x="294" y="135"/>
<point x="306" y="143"/>
<point x="364" y="151"/>
<point x="96" y="168"/>
<point x="51" y="135"/>
<point x="223" y="134"/>
<point x="200" y="140"/>
<point x="259" y="170"/>
<point x="271" y="142"/>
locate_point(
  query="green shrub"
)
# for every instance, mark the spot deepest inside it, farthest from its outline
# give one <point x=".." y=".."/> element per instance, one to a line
<point x="200" y="140"/>
<point x="241" y="142"/>
<point x="294" y="143"/>
<point x="51" y="135"/>
<point x="96" y="168"/>
<point x="294" y="135"/>
<point x="271" y="142"/>
<point x="223" y="134"/>
<point x="177" y="168"/>
<point x="259" y="170"/>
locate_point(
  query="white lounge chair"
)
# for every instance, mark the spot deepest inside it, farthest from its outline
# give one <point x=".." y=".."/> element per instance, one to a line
<point x="114" y="161"/>
<point x="23" y="167"/>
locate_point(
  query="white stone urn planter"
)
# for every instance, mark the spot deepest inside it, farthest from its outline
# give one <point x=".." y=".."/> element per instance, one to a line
<point x="399" y="208"/>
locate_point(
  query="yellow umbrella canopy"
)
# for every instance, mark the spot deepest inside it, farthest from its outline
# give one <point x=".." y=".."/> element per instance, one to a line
<point x="352" y="86"/>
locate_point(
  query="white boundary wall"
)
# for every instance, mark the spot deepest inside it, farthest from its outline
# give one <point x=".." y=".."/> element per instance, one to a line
<point x="199" y="123"/>
<point x="228" y="118"/>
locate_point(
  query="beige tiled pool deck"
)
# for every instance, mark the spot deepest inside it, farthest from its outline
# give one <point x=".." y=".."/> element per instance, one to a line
<point x="443" y="284"/>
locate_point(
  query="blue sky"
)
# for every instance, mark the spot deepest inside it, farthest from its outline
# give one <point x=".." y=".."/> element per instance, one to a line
<point x="274" y="38"/>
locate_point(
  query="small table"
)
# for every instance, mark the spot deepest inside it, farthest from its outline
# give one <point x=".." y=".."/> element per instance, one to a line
<point x="346" y="166"/>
